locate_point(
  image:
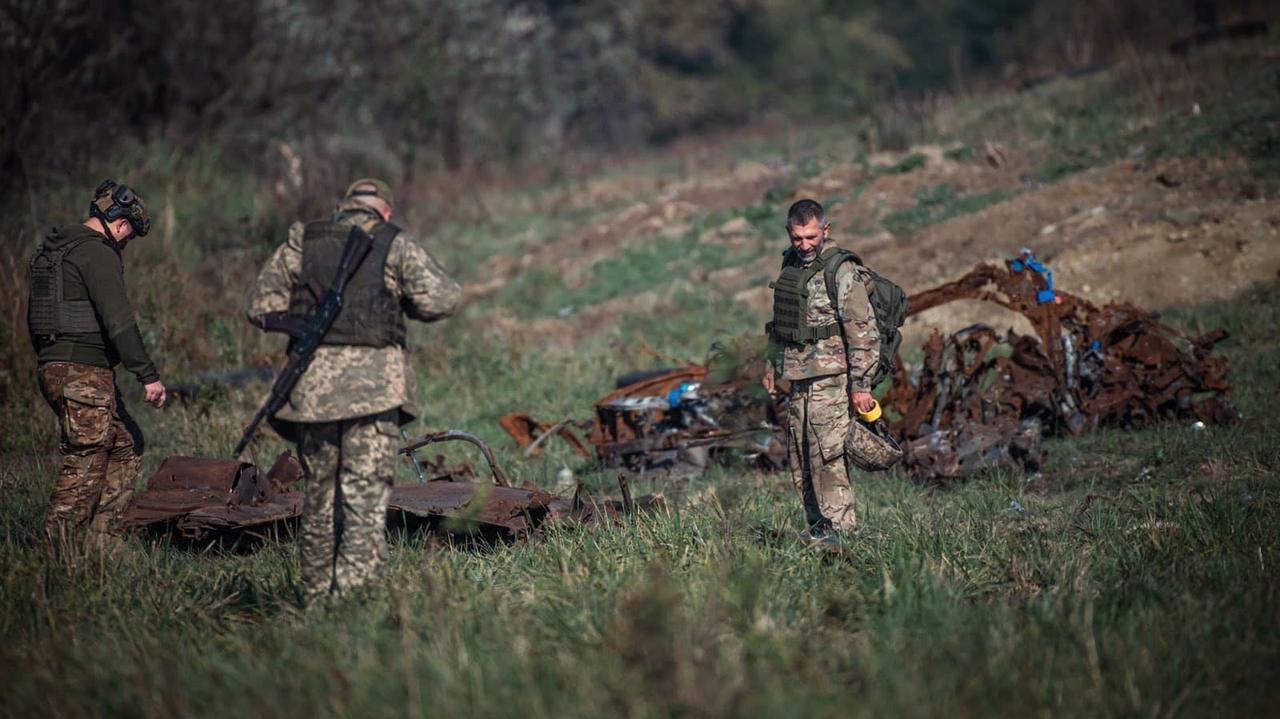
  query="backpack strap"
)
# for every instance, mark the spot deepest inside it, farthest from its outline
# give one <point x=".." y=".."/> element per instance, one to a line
<point x="385" y="231"/>
<point x="831" y="260"/>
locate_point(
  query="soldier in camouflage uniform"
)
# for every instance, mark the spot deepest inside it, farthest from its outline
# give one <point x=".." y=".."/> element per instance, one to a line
<point x="345" y="412"/>
<point x="829" y="354"/>
<point x="81" y="326"/>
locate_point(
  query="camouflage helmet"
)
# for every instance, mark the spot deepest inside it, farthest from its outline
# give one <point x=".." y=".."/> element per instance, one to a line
<point x="112" y="201"/>
<point x="869" y="447"/>
<point x="370" y="187"/>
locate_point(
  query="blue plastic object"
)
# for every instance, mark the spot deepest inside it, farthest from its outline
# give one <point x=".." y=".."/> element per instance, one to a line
<point x="1095" y="345"/>
<point x="673" y="397"/>
<point x="1027" y="261"/>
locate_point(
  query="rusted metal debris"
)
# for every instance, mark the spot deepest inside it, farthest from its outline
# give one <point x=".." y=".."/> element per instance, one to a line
<point x="499" y="478"/>
<point x="530" y="434"/>
<point x="201" y="500"/>
<point x="981" y="399"/>
<point x="674" y="420"/>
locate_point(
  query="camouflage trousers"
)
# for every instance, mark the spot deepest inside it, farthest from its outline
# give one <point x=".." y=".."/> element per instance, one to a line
<point x="100" y="445"/>
<point x="817" y="421"/>
<point x="350" y="466"/>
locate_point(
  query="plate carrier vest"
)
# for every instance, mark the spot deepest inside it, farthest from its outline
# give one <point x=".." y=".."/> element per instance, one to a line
<point x="791" y="302"/>
<point x="50" y="314"/>
<point x="791" y="298"/>
<point x="371" y="314"/>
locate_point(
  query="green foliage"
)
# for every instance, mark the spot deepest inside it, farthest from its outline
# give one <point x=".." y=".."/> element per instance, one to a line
<point x="910" y="163"/>
<point x="635" y="269"/>
<point x="963" y="153"/>
<point x="935" y="204"/>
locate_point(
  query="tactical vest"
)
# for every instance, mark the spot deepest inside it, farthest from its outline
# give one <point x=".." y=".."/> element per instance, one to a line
<point x="791" y="301"/>
<point x="49" y="313"/>
<point x="371" y="314"/>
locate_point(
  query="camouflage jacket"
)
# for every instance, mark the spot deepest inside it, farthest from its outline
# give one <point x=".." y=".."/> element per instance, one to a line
<point x="347" y="381"/>
<point x="832" y="356"/>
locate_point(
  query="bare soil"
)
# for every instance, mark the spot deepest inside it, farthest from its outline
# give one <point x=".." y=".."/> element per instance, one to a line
<point x="1172" y="233"/>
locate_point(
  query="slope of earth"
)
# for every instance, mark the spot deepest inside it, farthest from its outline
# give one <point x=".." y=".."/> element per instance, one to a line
<point x="1123" y="200"/>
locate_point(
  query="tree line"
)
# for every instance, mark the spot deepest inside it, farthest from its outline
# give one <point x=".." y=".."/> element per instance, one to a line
<point x="453" y="84"/>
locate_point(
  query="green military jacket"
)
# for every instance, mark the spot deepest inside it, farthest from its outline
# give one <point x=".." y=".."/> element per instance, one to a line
<point x="93" y="270"/>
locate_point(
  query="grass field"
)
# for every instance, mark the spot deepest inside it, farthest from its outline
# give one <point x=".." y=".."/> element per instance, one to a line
<point x="1134" y="577"/>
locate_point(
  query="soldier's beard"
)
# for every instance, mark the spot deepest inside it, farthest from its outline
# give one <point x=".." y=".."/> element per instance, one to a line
<point x="812" y="254"/>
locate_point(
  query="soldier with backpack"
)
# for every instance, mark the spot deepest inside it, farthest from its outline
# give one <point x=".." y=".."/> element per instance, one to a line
<point x="833" y="336"/>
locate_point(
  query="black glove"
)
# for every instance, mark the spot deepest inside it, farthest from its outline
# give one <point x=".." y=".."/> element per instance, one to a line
<point x="293" y="325"/>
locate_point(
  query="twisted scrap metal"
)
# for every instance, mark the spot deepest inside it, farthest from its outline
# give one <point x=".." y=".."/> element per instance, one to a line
<point x="499" y="478"/>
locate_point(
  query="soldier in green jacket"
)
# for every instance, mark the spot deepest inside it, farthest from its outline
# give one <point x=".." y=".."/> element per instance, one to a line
<point x="345" y="412"/>
<point x="829" y="354"/>
<point x="81" y="327"/>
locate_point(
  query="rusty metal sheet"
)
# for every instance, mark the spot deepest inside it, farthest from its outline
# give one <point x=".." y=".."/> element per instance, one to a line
<point x="202" y="500"/>
<point x="509" y="509"/>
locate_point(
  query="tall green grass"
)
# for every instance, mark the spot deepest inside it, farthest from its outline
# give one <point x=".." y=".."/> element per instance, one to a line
<point x="1133" y="577"/>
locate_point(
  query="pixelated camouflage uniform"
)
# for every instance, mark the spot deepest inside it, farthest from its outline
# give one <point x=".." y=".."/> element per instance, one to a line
<point x="99" y="442"/>
<point x="344" y="414"/>
<point x="822" y="375"/>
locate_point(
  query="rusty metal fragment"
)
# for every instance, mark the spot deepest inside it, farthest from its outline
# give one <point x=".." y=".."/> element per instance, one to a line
<point x="981" y="399"/>
<point x="529" y="433"/>
<point x="676" y="420"/>
<point x="458" y="434"/>
<point x="202" y="500"/>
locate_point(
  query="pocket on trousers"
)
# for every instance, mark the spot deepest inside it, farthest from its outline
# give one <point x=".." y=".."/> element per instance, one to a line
<point x="829" y="433"/>
<point x="86" y="415"/>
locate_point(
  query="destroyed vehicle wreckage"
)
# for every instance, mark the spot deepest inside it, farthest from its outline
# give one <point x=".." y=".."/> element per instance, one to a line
<point x="977" y="400"/>
<point x="674" y="420"/>
<point x="200" y="501"/>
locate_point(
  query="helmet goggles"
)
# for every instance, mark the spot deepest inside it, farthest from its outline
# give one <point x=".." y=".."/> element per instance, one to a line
<point x="112" y="201"/>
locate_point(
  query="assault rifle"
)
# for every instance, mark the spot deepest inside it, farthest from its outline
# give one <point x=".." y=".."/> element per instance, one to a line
<point x="307" y="331"/>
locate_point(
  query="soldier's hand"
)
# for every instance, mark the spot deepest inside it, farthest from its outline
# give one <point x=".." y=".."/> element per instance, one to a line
<point x="156" y="393"/>
<point x="768" y="383"/>
<point x="863" y="401"/>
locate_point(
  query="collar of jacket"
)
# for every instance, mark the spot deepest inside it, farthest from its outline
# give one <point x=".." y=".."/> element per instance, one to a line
<point x="353" y="210"/>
